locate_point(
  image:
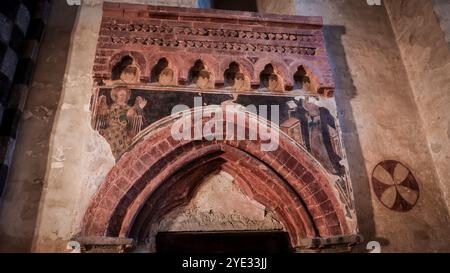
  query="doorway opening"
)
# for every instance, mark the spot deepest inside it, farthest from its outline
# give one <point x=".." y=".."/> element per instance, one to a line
<point x="235" y="242"/>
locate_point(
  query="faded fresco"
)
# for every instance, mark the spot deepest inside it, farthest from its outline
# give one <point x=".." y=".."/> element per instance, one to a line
<point x="142" y="70"/>
<point x="117" y="121"/>
<point x="121" y="113"/>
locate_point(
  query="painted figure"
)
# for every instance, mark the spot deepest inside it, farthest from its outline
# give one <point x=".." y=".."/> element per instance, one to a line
<point x="125" y="72"/>
<point x="241" y="82"/>
<point x="166" y="77"/>
<point x="203" y="81"/>
<point x="119" y="123"/>
<point x="275" y="83"/>
<point x="323" y="137"/>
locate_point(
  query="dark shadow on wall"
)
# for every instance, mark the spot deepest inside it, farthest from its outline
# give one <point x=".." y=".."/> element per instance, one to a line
<point x="239" y="5"/>
<point x="345" y="92"/>
<point x="20" y="204"/>
<point x="441" y="10"/>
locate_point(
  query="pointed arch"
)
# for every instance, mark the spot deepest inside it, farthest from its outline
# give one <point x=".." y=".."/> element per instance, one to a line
<point x="288" y="181"/>
<point x="136" y="57"/>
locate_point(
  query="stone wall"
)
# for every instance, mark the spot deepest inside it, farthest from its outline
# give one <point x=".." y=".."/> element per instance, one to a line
<point x="380" y="117"/>
<point x="278" y="7"/>
<point x="208" y="210"/>
<point x="427" y="62"/>
<point x="79" y="156"/>
<point x="380" y="120"/>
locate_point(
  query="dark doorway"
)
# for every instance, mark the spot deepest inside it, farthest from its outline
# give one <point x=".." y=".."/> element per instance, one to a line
<point x="222" y="242"/>
<point x="241" y="5"/>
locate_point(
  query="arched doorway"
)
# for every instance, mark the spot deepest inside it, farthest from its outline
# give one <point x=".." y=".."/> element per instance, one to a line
<point x="158" y="174"/>
<point x="219" y="218"/>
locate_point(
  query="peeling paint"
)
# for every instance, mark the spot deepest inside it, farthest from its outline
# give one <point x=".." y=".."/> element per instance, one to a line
<point x="209" y="211"/>
<point x="57" y="165"/>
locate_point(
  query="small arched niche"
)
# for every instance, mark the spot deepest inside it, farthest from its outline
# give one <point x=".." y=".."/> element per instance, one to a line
<point x="235" y="79"/>
<point x="163" y="74"/>
<point x="199" y="76"/>
<point x="126" y="71"/>
<point x="270" y="80"/>
<point x="302" y="80"/>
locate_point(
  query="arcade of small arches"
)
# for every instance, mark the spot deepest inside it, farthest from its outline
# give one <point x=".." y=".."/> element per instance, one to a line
<point x="237" y="75"/>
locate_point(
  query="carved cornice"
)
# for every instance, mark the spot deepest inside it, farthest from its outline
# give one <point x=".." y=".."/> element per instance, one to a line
<point x="183" y="35"/>
<point x="237" y="39"/>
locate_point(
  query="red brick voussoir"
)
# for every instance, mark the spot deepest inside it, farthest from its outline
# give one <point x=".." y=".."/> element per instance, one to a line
<point x="288" y="181"/>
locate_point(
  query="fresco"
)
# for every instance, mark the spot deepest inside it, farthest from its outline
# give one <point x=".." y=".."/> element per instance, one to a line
<point x="121" y="113"/>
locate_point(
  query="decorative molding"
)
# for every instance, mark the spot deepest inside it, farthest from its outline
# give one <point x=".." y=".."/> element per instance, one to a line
<point x="157" y="32"/>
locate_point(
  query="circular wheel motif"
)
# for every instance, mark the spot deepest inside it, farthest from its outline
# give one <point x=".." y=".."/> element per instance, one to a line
<point x="395" y="186"/>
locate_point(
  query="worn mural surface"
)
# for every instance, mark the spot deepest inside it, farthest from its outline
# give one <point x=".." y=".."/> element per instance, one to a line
<point x="146" y="65"/>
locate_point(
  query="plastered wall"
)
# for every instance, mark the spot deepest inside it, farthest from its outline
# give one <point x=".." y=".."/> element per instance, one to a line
<point x="384" y="111"/>
<point x="380" y="120"/>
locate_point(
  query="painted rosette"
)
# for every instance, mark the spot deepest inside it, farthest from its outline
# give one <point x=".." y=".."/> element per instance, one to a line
<point x="395" y="186"/>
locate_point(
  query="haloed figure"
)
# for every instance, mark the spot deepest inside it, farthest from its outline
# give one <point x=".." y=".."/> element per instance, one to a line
<point x="166" y="77"/>
<point x="241" y="83"/>
<point x="119" y="123"/>
<point x="274" y="83"/>
<point x="203" y="79"/>
<point x="125" y="72"/>
<point x="130" y="74"/>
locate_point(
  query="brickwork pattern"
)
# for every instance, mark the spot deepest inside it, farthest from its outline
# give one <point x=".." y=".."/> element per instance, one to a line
<point x="289" y="182"/>
<point x="184" y="35"/>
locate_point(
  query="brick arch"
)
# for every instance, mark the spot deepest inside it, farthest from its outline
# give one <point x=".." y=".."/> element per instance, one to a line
<point x="176" y="62"/>
<point x="288" y="181"/>
<point x="137" y="56"/>
<point x="170" y="60"/>
<point x="179" y="187"/>
<point x="279" y="67"/>
<point x="210" y="62"/>
<point x="245" y="65"/>
<point x="187" y="61"/>
<point x="311" y="71"/>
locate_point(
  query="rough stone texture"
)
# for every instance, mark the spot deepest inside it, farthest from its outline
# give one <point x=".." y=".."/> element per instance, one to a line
<point x="380" y="120"/>
<point x="279" y="6"/>
<point x="427" y="62"/>
<point x="219" y="205"/>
